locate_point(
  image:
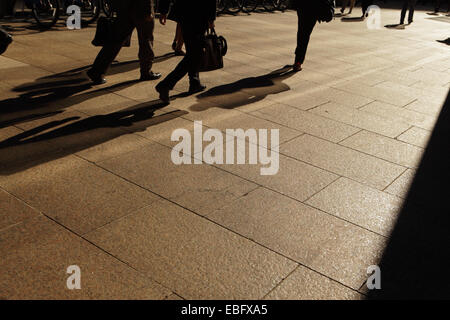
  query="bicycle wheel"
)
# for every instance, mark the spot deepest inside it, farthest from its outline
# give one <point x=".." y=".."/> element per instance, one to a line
<point x="234" y="6"/>
<point x="107" y="8"/>
<point x="46" y="12"/>
<point x="269" y="5"/>
<point x="221" y="6"/>
<point x="281" y="5"/>
<point x="249" y="5"/>
<point x="90" y="10"/>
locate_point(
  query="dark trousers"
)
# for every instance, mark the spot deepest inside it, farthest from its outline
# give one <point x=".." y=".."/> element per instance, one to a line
<point x="126" y="23"/>
<point x="408" y="4"/>
<point x="438" y="5"/>
<point x="306" y="22"/>
<point x="194" y="36"/>
<point x="366" y="4"/>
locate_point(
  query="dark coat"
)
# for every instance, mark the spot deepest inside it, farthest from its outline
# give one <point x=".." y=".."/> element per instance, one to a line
<point x="141" y="8"/>
<point x="190" y="11"/>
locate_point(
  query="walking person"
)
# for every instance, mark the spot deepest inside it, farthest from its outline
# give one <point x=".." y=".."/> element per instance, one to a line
<point x="344" y="5"/>
<point x="196" y="18"/>
<point x="364" y="6"/>
<point x="408" y="5"/>
<point x="307" y="19"/>
<point x="137" y="14"/>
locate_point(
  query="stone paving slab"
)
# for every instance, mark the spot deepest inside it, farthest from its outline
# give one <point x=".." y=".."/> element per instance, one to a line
<point x="86" y="175"/>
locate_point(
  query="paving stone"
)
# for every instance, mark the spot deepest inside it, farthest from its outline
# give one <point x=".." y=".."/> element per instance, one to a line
<point x="195" y="257"/>
<point x="401" y="185"/>
<point x="400" y="115"/>
<point x="359" y="204"/>
<point x="343" y="161"/>
<point x="307" y="122"/>
<point x="416" y="136"/>
<point x="198" y="187"/>
<point x="305" y="284"/>
<point x="287" y="228"/>
<point x="14" y="210"/>
<point x="361" y="119"/>
<point x="35" y="257"/>
<point x="77" y="194"/>
<point x="385" y="148"/>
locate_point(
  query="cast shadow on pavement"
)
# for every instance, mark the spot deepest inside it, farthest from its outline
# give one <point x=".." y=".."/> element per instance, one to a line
<point x="415" y="262"/>
<point x="59" y="138"/>
<point x="244" y="91"/>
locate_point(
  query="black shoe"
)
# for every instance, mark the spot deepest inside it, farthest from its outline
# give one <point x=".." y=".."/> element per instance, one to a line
<point x="195" y="88"/>
<point x="150" y="76"/>
<point x="163" y="93"/>
<point x="96" y="79"/>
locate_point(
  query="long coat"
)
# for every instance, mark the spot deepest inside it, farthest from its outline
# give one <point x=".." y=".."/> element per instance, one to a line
<point x="197" y="11"/>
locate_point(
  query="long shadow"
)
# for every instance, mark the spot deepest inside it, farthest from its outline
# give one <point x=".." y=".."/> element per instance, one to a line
<point x="255" y="89"/>
<point x="47" y="95"/>
<point x="415" y="262"/>
<point x="60" y="138"/>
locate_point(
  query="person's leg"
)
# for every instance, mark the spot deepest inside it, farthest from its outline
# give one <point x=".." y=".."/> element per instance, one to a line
<point x="352" y="5"/>
<point x="145" y="30"/>
<point x="110" y="51"/>
<point x="193" y="37"/>
<point x="412" y="5"/>
<point x="306" y="23"/>
<point x="344" y="5"/>
<point x="403" y="14"/>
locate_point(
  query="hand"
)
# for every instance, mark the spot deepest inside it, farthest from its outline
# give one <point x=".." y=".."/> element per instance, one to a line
<point x="163" y="19"/>
<point x="211" y="25"/>
<point x="149" y="17"/>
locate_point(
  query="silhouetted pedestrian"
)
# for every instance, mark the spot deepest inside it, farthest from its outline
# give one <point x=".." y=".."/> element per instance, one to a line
<point x="307" y="19"/>
<point x="345" y="3"/>
<point x="408" y="4"/>
<point x="364" y="6"/>
<point x="195" y="19"/>
<point x="137" y="14"/>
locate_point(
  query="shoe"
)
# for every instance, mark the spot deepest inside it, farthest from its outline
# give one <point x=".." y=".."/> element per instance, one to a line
<point x="297" y="67"/>
<point x="150" y="76"/>
<point x="195" y="88"/>
<point x="96" y="79"/>
<point x="163" y="93"/>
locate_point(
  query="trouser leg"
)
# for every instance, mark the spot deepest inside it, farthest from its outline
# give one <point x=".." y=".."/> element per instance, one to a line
<point x="193" y="40"/>
<point x="110" y="51"/>
<point x="145" y="30"/>
<point x="306" y="23"/>
<point x="412" y="5"/>
<point x="403" y="14"/>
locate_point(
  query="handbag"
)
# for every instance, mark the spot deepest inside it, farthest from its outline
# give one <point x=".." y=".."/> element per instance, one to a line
<point x="5" y="40"/>
<point x="214" y="49"/>
<point x="325" y="10"/>
<point x="106" y="33"/>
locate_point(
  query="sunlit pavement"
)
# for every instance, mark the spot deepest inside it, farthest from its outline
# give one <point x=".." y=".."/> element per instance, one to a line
<point x="86" y="176"/>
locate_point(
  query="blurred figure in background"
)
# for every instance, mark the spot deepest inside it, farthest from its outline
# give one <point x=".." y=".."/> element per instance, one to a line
<point x="137" y="14"/>
<point x="307" y="19"/>
<point x="408" y="4"/>
<point x="437" y="6"/>
<point x="364" y="6"/>
<point x="196" y="18"/>
<point x="345" y="3"/>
